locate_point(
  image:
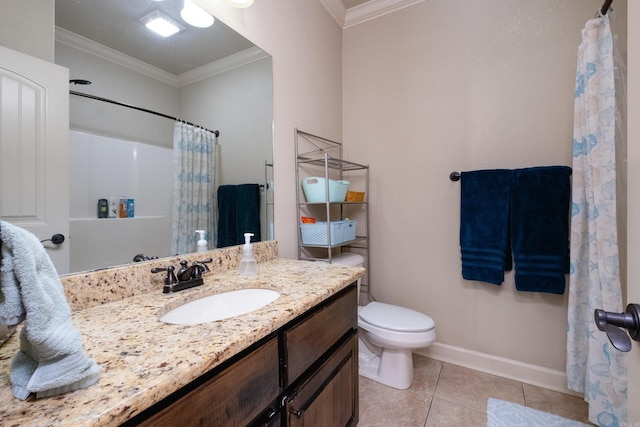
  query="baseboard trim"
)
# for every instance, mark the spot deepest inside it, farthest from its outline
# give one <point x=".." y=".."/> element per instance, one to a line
<point x="507" y="368"/>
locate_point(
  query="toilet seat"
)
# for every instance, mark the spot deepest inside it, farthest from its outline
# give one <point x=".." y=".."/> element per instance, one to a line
<point x="395" y="318"/>
<point x="387" y="336"/>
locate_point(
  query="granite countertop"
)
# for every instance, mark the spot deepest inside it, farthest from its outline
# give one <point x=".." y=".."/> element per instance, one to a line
<point x="143" y="360"/>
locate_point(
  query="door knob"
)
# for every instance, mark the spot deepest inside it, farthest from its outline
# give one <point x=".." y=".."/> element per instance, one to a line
<point x="613" y="324"/>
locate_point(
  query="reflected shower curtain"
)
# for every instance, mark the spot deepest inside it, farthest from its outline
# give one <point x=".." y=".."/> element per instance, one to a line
<point x="194" y="187"/>
<point x="594" y="366"/>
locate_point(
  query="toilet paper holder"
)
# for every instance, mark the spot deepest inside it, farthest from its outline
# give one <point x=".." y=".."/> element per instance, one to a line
<point x="613" y="324"/>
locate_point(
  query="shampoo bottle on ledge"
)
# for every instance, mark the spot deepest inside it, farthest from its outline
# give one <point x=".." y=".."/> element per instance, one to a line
<point x="248" y="265"/>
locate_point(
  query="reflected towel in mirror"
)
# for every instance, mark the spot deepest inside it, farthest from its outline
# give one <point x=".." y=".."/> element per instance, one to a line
<point x="238" y="213"/>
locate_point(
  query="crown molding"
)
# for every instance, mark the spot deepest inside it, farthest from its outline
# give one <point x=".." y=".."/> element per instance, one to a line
<point x="230" y="62"/>
<point x="336" y="9"/>
<point x="101" y="51"/>
<point x="225" y="64"/>
<point x="372" y="9"/>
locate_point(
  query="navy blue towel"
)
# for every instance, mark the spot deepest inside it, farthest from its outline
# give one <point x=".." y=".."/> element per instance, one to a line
<point x="238" y="213"/>
<point x="525" y="211"/>
<point x="540" y="199"/>
<point x="227" y="228"/>
<point x="484" y="225"/>
<point x="248" y="212"/>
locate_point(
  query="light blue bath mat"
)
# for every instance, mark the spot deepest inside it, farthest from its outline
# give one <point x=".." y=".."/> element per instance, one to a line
<point x="507" y="414"/>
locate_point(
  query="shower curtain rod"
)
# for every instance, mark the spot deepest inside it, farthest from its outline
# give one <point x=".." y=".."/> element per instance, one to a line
<point x="110" y="101"/>
<point x="605" y="7"/>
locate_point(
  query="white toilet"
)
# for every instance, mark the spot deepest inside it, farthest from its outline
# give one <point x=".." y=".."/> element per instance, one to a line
<point x="387" y="335"/>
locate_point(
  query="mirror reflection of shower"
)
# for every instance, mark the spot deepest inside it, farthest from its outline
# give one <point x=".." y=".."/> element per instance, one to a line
<point x="233" y="94"/>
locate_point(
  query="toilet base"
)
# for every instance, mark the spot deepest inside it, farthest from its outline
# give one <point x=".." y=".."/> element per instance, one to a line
<point x="391" y="367"/>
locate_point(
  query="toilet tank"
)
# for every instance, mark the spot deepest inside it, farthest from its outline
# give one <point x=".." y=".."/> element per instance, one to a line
<point x="350" y="259"/>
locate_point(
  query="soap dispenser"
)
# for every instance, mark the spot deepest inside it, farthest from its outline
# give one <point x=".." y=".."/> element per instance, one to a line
<point x="202" y="243"/>
<point x="248" y="265"/>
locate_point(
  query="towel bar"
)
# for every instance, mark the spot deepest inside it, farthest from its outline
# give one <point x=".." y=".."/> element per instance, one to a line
<point x="455" y="176"/>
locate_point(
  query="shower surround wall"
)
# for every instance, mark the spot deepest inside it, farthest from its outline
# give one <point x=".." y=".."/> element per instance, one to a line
<point x="101" y="168"/>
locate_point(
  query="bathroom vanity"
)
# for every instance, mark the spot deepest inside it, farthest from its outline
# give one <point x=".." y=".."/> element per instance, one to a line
<point x="291" y="362"/>
<point x="307" y="370"/>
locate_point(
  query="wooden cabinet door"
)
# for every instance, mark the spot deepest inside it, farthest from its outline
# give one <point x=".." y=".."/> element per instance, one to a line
<point x="307" y="341"/>
<point x="330" y="396"/>
<point x="234" y="397"/>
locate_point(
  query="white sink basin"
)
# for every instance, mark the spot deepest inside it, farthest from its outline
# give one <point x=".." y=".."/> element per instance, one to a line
<point x="220" y="306"/>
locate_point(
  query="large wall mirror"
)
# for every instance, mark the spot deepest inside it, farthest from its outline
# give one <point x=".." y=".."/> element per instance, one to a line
<point x="212" y="77"/>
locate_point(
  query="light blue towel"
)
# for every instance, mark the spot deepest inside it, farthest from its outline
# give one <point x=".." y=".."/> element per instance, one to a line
<point x="51" y="359"/>
<point x="11" y="309"/>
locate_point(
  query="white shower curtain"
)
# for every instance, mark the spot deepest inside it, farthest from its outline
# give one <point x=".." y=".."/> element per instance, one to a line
<point x="194" y="187"/>
<point x="594" y="366"/>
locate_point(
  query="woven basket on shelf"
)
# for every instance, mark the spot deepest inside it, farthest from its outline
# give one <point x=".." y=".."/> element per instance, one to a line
<point x="355" y="196"/>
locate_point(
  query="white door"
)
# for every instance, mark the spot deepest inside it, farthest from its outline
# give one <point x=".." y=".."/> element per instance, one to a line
<point x="34" y="127"/>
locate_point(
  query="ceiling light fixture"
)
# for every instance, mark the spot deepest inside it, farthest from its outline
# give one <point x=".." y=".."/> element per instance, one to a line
<point x="161" y="24"/>
<point x="195" y="15"/>
<point x="240" y="3"/>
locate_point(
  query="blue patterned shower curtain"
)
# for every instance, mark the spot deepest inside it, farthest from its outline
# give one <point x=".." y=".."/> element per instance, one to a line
<point x="594" y="366"/>
<point x="194" y="187"/>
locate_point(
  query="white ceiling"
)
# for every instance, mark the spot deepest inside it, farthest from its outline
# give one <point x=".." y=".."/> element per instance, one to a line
<point x="114" y="23"/>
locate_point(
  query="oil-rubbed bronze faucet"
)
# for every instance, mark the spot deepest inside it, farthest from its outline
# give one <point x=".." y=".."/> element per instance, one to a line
<point x="187" y="277"/>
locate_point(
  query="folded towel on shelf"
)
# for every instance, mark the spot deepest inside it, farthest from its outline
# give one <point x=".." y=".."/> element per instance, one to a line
<point x="540" y="199"/>
<point x="484" y="225"/>
<point x="51" y="359"/>
<point x="238" y="213"/>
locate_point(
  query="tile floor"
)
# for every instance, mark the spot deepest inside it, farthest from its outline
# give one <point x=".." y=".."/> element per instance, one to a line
<point x="445" y="395"/>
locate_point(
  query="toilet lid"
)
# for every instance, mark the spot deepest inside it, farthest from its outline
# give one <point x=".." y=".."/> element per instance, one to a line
<point x="349" y="259"/>
<point x="395" y="318"/>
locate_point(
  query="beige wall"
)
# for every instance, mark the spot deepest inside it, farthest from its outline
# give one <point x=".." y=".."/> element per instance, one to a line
<point x="27" y="26"/>
<point x="451" y="86"/>
<point x="306" y="45"/>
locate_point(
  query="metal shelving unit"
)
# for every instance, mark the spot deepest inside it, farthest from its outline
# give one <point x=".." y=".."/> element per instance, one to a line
<point x="322" y="157"/>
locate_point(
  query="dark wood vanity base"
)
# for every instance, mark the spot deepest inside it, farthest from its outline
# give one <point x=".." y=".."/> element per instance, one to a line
<point x="305" y="373"/>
